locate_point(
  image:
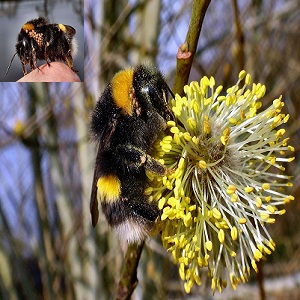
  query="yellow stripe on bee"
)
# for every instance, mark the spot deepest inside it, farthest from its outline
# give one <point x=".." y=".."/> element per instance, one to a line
<point x="108" y="188"/>
<point x="122" y="90"/>
<point x="62" y="27"/>
<point x="28" y="26"/>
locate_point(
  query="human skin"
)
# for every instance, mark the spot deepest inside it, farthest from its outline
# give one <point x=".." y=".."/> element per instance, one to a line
<point x="56" y="72"/>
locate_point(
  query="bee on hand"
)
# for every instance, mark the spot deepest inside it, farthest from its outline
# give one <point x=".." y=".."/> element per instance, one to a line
<point x="38" y="39"/>
<point x="126" y="121"/>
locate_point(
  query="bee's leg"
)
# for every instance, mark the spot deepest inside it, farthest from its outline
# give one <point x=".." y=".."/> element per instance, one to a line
<point x="33" y="63"/>
<point x="46" y="59"/>
<point x="24" y="69"/>
<point x="69" y="60"/>
<point x="136" y="157"/>
<point x="155" y="166"/>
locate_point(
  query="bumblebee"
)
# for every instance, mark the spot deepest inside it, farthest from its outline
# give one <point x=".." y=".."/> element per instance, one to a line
<point x="38" y="39"/>
<point x="126" y="121"/>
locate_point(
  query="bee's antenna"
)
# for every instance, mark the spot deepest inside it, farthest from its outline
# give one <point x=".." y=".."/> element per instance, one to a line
<point x="10" y="63"/>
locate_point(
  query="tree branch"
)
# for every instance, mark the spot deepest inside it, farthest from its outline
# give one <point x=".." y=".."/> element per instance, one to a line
<point x="187" y="50"/>
<point x="129" y="280"/>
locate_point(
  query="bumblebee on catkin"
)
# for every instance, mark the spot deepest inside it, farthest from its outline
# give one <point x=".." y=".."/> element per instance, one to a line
<point x="126" y="121"/>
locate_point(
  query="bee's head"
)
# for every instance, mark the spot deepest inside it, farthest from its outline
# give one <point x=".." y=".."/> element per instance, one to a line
<point x="24" y="49"/>
<point x="140" y="92"/>
<point x="151" y="91"/>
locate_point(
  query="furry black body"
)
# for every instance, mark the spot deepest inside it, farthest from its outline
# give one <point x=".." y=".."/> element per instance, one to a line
<point x="126" y="131"/>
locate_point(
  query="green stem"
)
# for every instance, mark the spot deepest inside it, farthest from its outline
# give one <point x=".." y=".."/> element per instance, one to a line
<point x="187" y="50"/>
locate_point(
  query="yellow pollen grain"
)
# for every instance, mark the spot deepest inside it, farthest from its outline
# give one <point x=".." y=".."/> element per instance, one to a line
<point x="257" y="255"/>
<point x="282" y="212"/>
<point x="258" y="202"/>
<point x="271" y="209"/>
<point x="254" y="265"/>
<point x="264" y="215"/>
<point x="234" y="233"/>
<point x="161" y="203"/>
<point x="187" y="136"/>
<point x="192" y="123"/>
<point x="271" y="221"/>
<point x="171" y="124"/>
<point x="216" y="213"/>
<point x="221" y="236"/>
<point x="232" y="253"/>
<point x="242" y="74"/>
<point x="277" y="103"/>
<point x="208" y="245"/>
<point x="242" y="220"/>
<point x="181" y="163"/>
<point x="234" y="198"/>
<point x="175" y="129"/>
<point x="231" y="189"/>
<point x="187" y="287"/>
<point x="280" y="133"/>
<point x="233" y="121"/>
<point x="266" y="186"/>
<point x="268" y="198"/>
<point x="248" y="79"/>
<point x="219" y="90"/>
<point x="286" y="118"/>
<point x="195" y="140"/>
<point x="202" y="164"/>
<point x="291" y="148"/>
<point x="249" y="189"/>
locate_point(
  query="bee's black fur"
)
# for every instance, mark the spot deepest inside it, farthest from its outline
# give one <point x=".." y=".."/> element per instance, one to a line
<point x="124" y="144"/>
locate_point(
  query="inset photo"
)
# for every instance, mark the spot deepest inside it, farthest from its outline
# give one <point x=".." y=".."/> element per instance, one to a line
<point x="41" y="41"/>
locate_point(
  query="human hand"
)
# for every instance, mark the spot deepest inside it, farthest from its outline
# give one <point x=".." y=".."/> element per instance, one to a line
<point x="56" y="72"/>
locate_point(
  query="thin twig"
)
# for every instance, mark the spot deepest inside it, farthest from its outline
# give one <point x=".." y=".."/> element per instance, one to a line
<point x="187" y="50"/>
<point x="129" y="280"/>
<point x="240" y="38"/>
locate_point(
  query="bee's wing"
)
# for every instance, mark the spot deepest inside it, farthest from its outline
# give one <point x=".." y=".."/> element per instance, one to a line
<point x="105" y="140"/>
<point x="94" y="201"/>
<point x="70" y="30"/>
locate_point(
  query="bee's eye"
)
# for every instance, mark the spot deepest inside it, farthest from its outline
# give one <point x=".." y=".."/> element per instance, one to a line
<point x="25" y="43"/>
<point x="152" y="93"/>
<point x="156" y="97"/>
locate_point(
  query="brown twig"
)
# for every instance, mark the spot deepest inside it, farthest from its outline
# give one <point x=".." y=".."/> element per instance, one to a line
<point x="129" y="280"/>
<point x="187" y="50"/>
<point x="260" y="280"/>
<point x="240" y="38"/>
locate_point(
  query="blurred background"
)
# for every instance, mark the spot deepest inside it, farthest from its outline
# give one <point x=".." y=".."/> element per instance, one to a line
<point x="48" y="249"/>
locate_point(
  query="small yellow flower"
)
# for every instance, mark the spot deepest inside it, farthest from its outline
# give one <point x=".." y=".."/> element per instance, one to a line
<point x="223" y="190"/>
